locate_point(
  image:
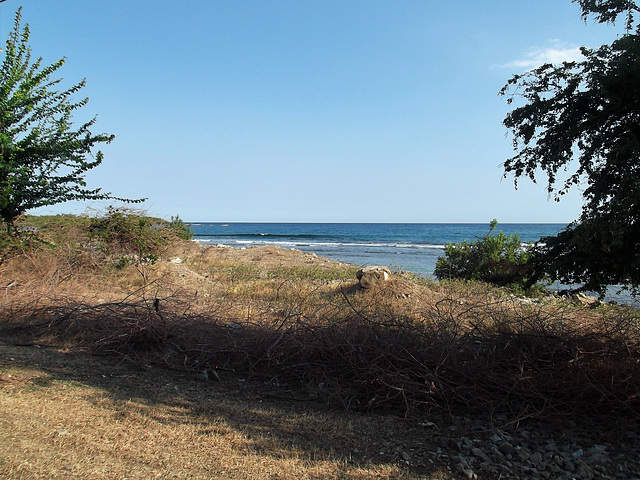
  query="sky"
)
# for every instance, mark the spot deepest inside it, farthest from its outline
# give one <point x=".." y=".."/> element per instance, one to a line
<point x="308" y="110"/>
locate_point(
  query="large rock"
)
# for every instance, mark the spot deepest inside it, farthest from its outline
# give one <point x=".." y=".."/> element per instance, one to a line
<point x="586" y="300"/>
<point x="374" y="275"/>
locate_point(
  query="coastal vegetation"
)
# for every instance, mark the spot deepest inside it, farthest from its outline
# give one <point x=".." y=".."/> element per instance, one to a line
<point x="266" y="324"/>
<point x="586" y="110"/>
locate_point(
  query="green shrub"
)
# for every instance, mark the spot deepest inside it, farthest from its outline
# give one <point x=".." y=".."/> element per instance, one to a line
<point x="179" y="228"/>
<point x="9" y="244"/>
<point x="129" y="234"/>
<point x="499" y="259"/>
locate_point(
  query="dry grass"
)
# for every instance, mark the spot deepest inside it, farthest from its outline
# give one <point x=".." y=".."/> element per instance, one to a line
<point x="285" y="315"/>
<point x="283" y="338"/>
<point x="82" y="417"/>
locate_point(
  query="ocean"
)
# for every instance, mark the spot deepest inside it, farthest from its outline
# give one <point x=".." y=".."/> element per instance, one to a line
<point x="413" y="247"/>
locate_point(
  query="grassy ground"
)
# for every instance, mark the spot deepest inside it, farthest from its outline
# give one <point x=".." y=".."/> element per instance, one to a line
<point x="66" y="414"/>
<point x="127" y="352"/>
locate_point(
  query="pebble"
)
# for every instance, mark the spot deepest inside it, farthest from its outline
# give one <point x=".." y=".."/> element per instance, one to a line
<point x="470" y="473"/>
<point x="536" y="458"/>
<point x="478" y="452"/>
<point x="507" y="449"/>
<point x="569" y="466"/>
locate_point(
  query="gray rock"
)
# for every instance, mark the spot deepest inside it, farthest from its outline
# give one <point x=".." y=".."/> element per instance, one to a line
<point x="583" y="472"/>
<point x="507" y="449"/>
<point x="234" y="327"/>
<point x="467" y="442"/>
<point x="470" y="474"/>
<point x="569" y="466"/>
<point x="584" y="299"/>
<point x="477" y="452"/>
<point x="536" y="458"/>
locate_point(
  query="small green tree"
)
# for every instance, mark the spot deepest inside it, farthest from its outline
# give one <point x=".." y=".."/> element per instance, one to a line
<point x="498" y="259"/>
<point x="43" y="157"/>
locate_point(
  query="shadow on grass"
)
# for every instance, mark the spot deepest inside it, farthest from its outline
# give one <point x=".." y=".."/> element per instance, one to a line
<point x="273" y="420"/>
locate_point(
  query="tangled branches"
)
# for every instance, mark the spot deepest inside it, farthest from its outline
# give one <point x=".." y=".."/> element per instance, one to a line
<point x="492" y="358"/>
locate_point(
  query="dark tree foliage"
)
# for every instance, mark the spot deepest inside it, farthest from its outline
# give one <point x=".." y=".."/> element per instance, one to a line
<point x="43" y="157"/>
<point x="607" y="11"/>
<point x="581" y="121"/>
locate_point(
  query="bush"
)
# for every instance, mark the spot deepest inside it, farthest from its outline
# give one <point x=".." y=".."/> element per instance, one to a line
<point x="499" y="259"/>
<point x="9" y="245"/>
<point x="133" y="236"/>
<point x="122" y="235"/>
<point x="179" y="228"/>
<point x="124" y="232"/>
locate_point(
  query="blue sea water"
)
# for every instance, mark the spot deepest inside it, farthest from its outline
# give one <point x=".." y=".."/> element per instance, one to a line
<point x="413" y="247"/>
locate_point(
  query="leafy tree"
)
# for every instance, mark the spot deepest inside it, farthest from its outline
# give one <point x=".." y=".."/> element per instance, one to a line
<point x="498" y="259"/>
<point x="43" y="157"/>
<point x="583" y="118"/>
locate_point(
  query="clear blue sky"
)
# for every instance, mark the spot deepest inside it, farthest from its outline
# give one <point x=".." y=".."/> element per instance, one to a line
<point x="308" y="110"/>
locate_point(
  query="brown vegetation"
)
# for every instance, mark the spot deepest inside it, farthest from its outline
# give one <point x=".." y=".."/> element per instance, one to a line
<point x="291" y="326"/>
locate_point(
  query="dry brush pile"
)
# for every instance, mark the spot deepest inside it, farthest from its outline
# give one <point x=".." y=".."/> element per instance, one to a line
<point x="404" y="347"/>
